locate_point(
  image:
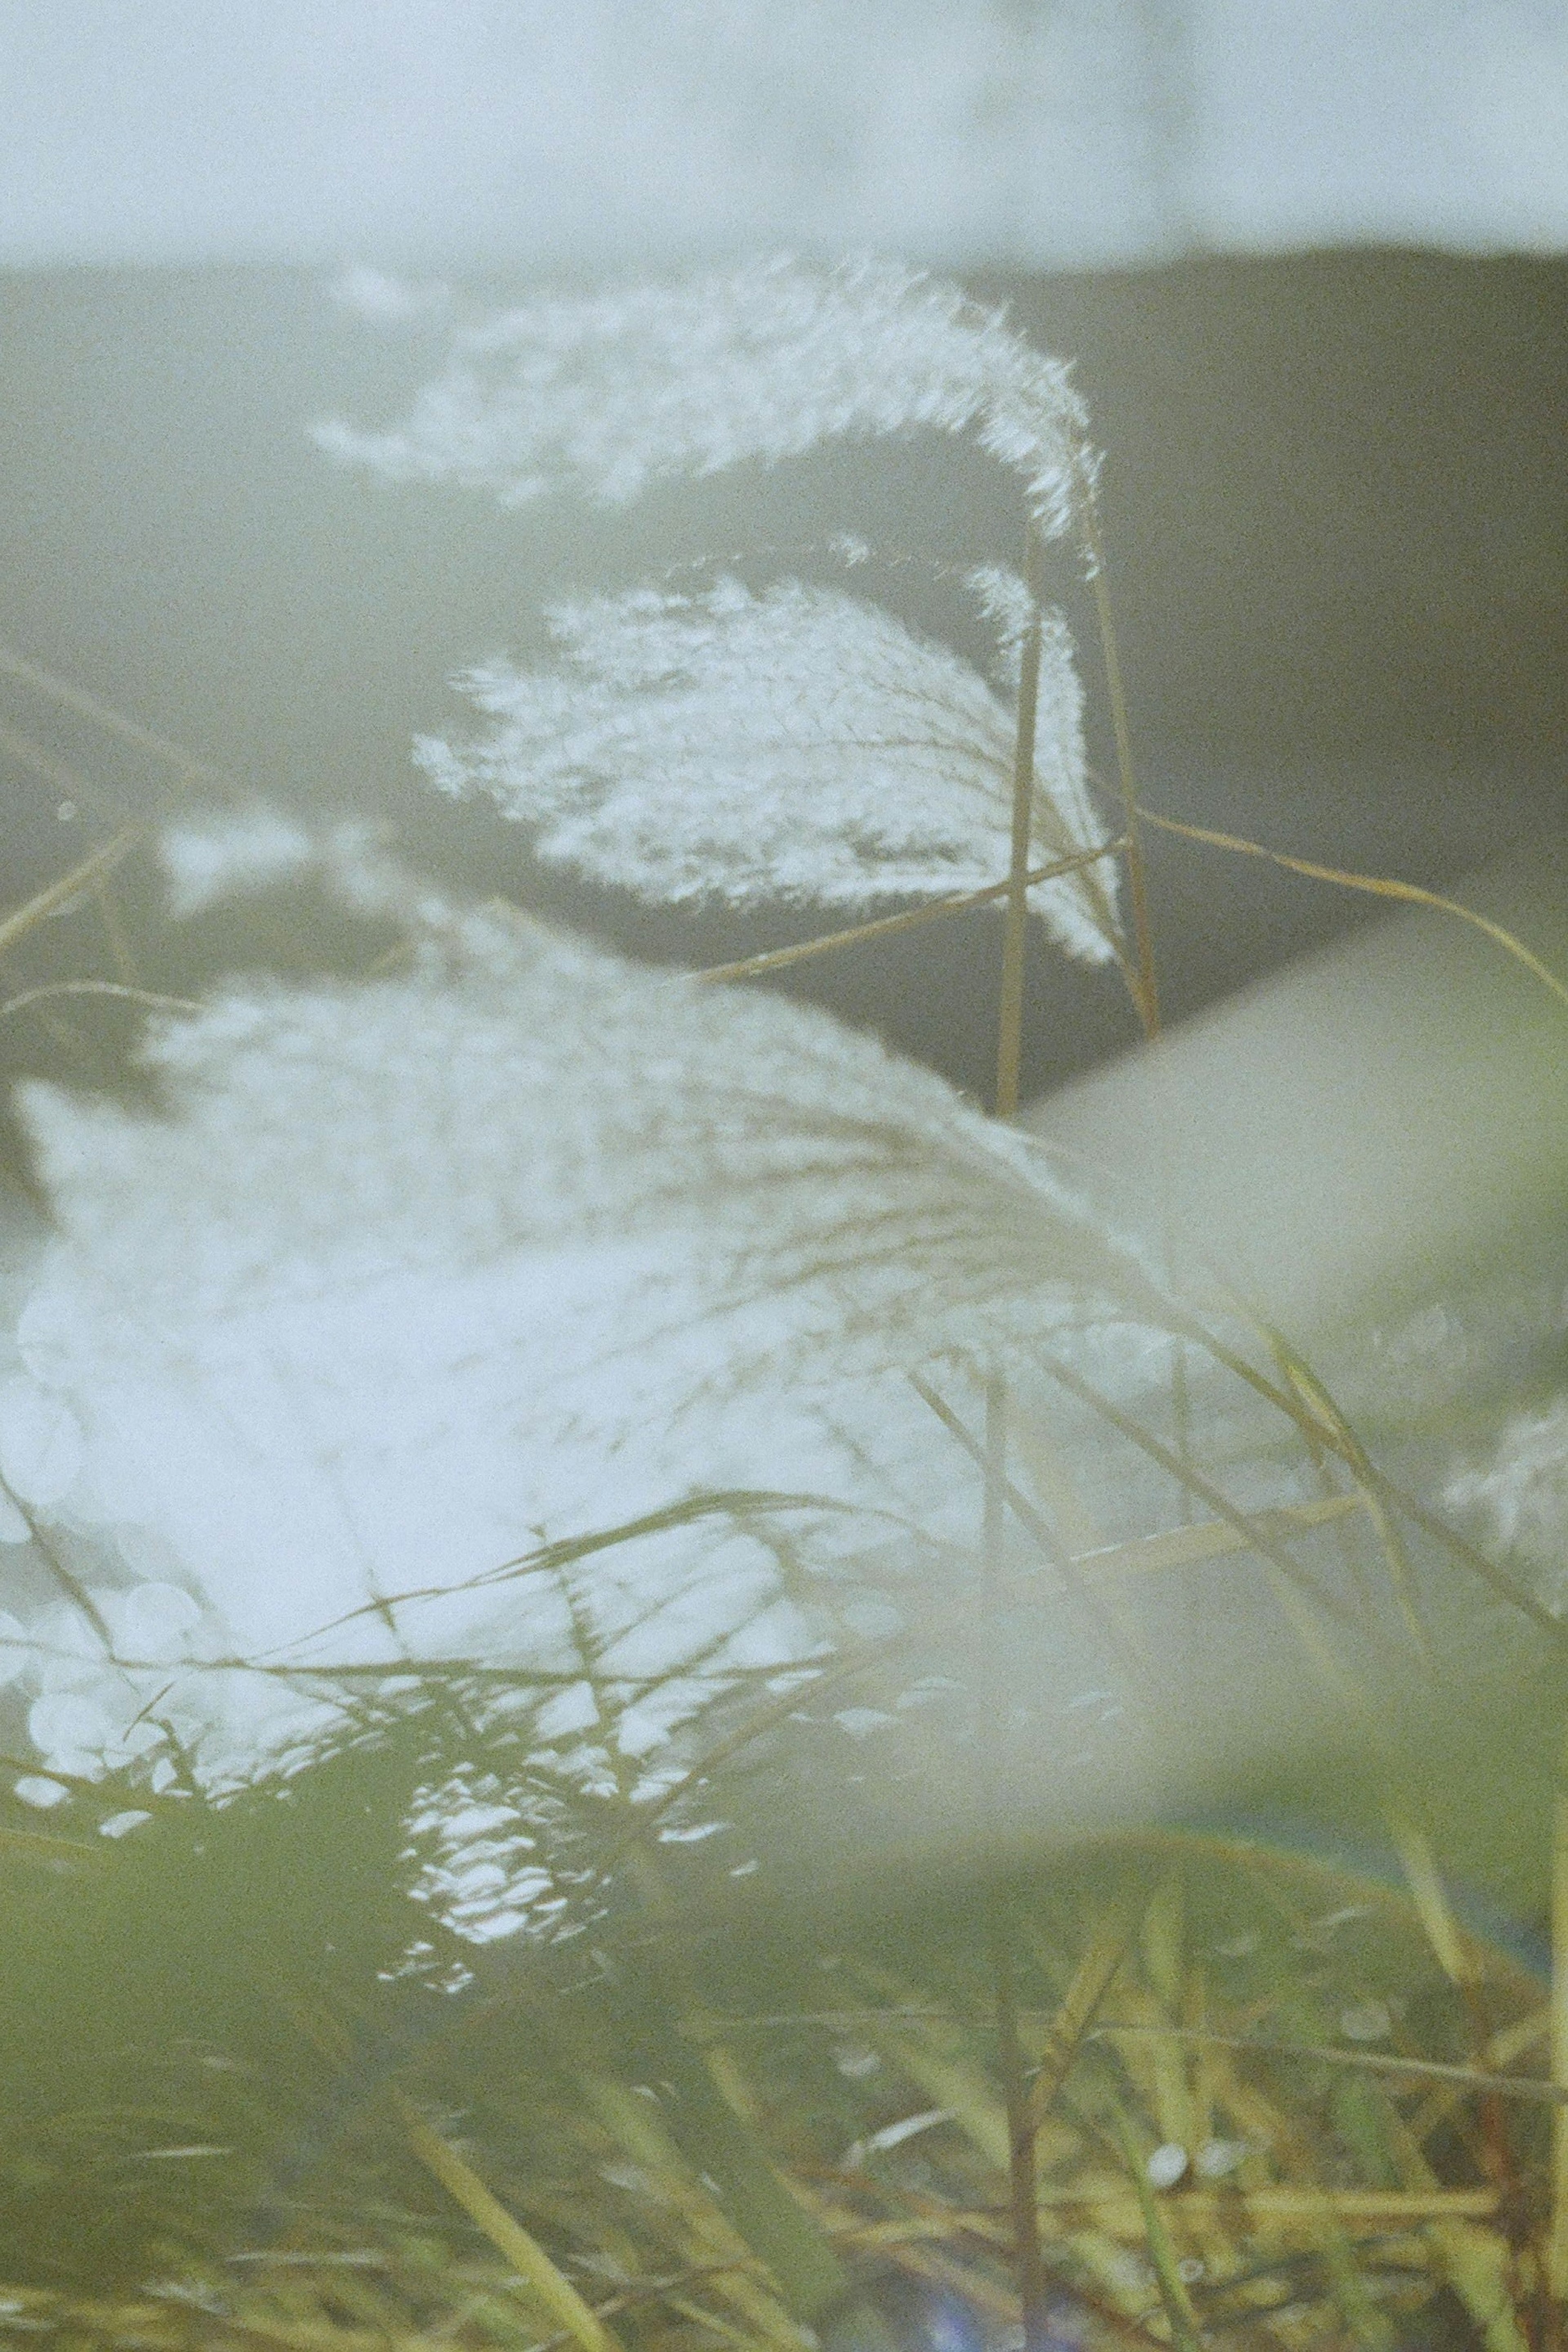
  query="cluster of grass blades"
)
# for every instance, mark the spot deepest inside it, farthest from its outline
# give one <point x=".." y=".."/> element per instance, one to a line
<point x="1265" y="2088"/>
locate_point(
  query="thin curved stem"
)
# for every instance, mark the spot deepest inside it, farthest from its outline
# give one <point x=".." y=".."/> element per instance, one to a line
<point x="883" y="926"/>
<point x="1146" y="991"/>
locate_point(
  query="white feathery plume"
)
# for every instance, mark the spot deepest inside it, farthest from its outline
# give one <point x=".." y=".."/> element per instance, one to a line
<point x="801" y="745"/>
<point x="404" y="1271"/>
<point x="614" y="392"/>
<point x="1523" y="1493"/>
<point x="202" y="863"/>
<point x="524" y="1091"/>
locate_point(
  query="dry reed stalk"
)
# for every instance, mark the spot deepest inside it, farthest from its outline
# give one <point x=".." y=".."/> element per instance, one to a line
<point x="90" y="872"/>
<point x="546" y="2285"/>
<point x="1028" y="2255"/>
<point x="1388" y="1490"/>
<point x="147" y="998"/>
<point x="1089" y="1982"/>
<point x="1380" y="886"/>
<point x="113" y="722"/>
<point x="1187" y="2336"/>
<point x="1207" y="1540"/>
<point x="83" y="875"/>
<point x="1010" y="1017"/>
<point x="1143" y="982"/>
<point x="885" y="925"/>
<point x="1557" y="2233"/>
<point x="1369" y="2062"/>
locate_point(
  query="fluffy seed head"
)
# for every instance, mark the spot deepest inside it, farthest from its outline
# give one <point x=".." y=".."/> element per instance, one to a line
<point x="523" y="1238"/>
<point x="614" y="392"/>
<point x="801" y="745"/>
<point x="1523" y="1492"/>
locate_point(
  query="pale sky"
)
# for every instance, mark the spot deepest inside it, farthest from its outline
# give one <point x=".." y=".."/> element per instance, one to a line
<point x="602" y="132"/>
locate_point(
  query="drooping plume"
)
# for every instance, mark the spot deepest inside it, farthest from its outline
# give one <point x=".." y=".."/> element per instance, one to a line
<point x="800" y="745"/>
<point x="838" y="1209"/>
<point x="404" y="1272"/>
<point x="1523" y="1495"/>
<point x="613" y="391"/>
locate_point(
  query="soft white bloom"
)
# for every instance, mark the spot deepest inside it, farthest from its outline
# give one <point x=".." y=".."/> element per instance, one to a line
<point x="1524" y="1494"/>
<point x="13" y="1647"/>
<point x="615" y="391"/>
<point x="1366" y="2021"/>
<point x="406" y="1271"/>
<point x="525" y="1092"/>
<point x="205" y="862"/>
<point x="40" y="1441"/>
<point x="801" y="745"/>
<point x="387" y="301"/>
<point x="34" y="1789"/>
<point x="118" y="1825"/>
<point x="1165" y="2166"/>
<point x="71" y="1731"/>
<point x="154" y="1621"/>
<point x="1008" y="602"/>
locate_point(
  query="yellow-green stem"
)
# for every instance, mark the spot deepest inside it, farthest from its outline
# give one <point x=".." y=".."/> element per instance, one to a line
<point x="885" y="925"/>
<point x="1029" y="2256"/>
<point x="1557" y="2242"/>
<point x="996" y="1471"/>
<point x="1009" y="1022"/>
<point x="1147" y="995"/>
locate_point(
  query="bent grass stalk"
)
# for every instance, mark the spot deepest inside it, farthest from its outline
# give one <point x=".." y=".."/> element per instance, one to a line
<point x="545" y="2283"/>
<point x="885" y="925"/>
<point x="1009" y="1015"/>
<point x="1019" y="2102"/>
<point x="1378" y="886"/>
<point x="1557" y="2228"/>
<point x="92" y="872"/>
<point x="1143" y="984"/>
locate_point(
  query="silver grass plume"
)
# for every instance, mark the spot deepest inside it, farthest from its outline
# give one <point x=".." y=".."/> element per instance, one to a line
<point x="403" y="1272"/>
<point x="825" y="1209"/>
<point x="802" y="744"/>
<point x="1523" y="1495"/>
<point x="613" y="391"/>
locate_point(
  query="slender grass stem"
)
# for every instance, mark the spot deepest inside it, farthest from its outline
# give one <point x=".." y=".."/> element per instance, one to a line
<point x="147" y="998"/>
<point x="1380" y="886"/>
<point x="1118" y="1628"/>
<point x="1016" y="1501"/>
<point x="83" y="875"/>
<point x="1146" y="992"/>
<point x="1375" y="1481"/>
<point x="114" y="932"/>
<point x="1424" y="1877"/>
<point x="1029" y="2258"/>
<point x="1370" y="2061"/>
<point x="1180" y="2316"/>
<point x="70" y="1585"/>
<point x="544" y="2281"/>
<point x="1253" y="1531"/>
<point x="994" y="1531"/>
<point x="1028" y="2261"/>
<point x="21" y="747"/>
<point x="103" y="715"/>
<point x="1009" y="1019"/>
<point x="885" y="925"/>
<point x="90" y="872"/>
<point x="1091" y="1980"/>
<point x="1557" y="2234"/>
